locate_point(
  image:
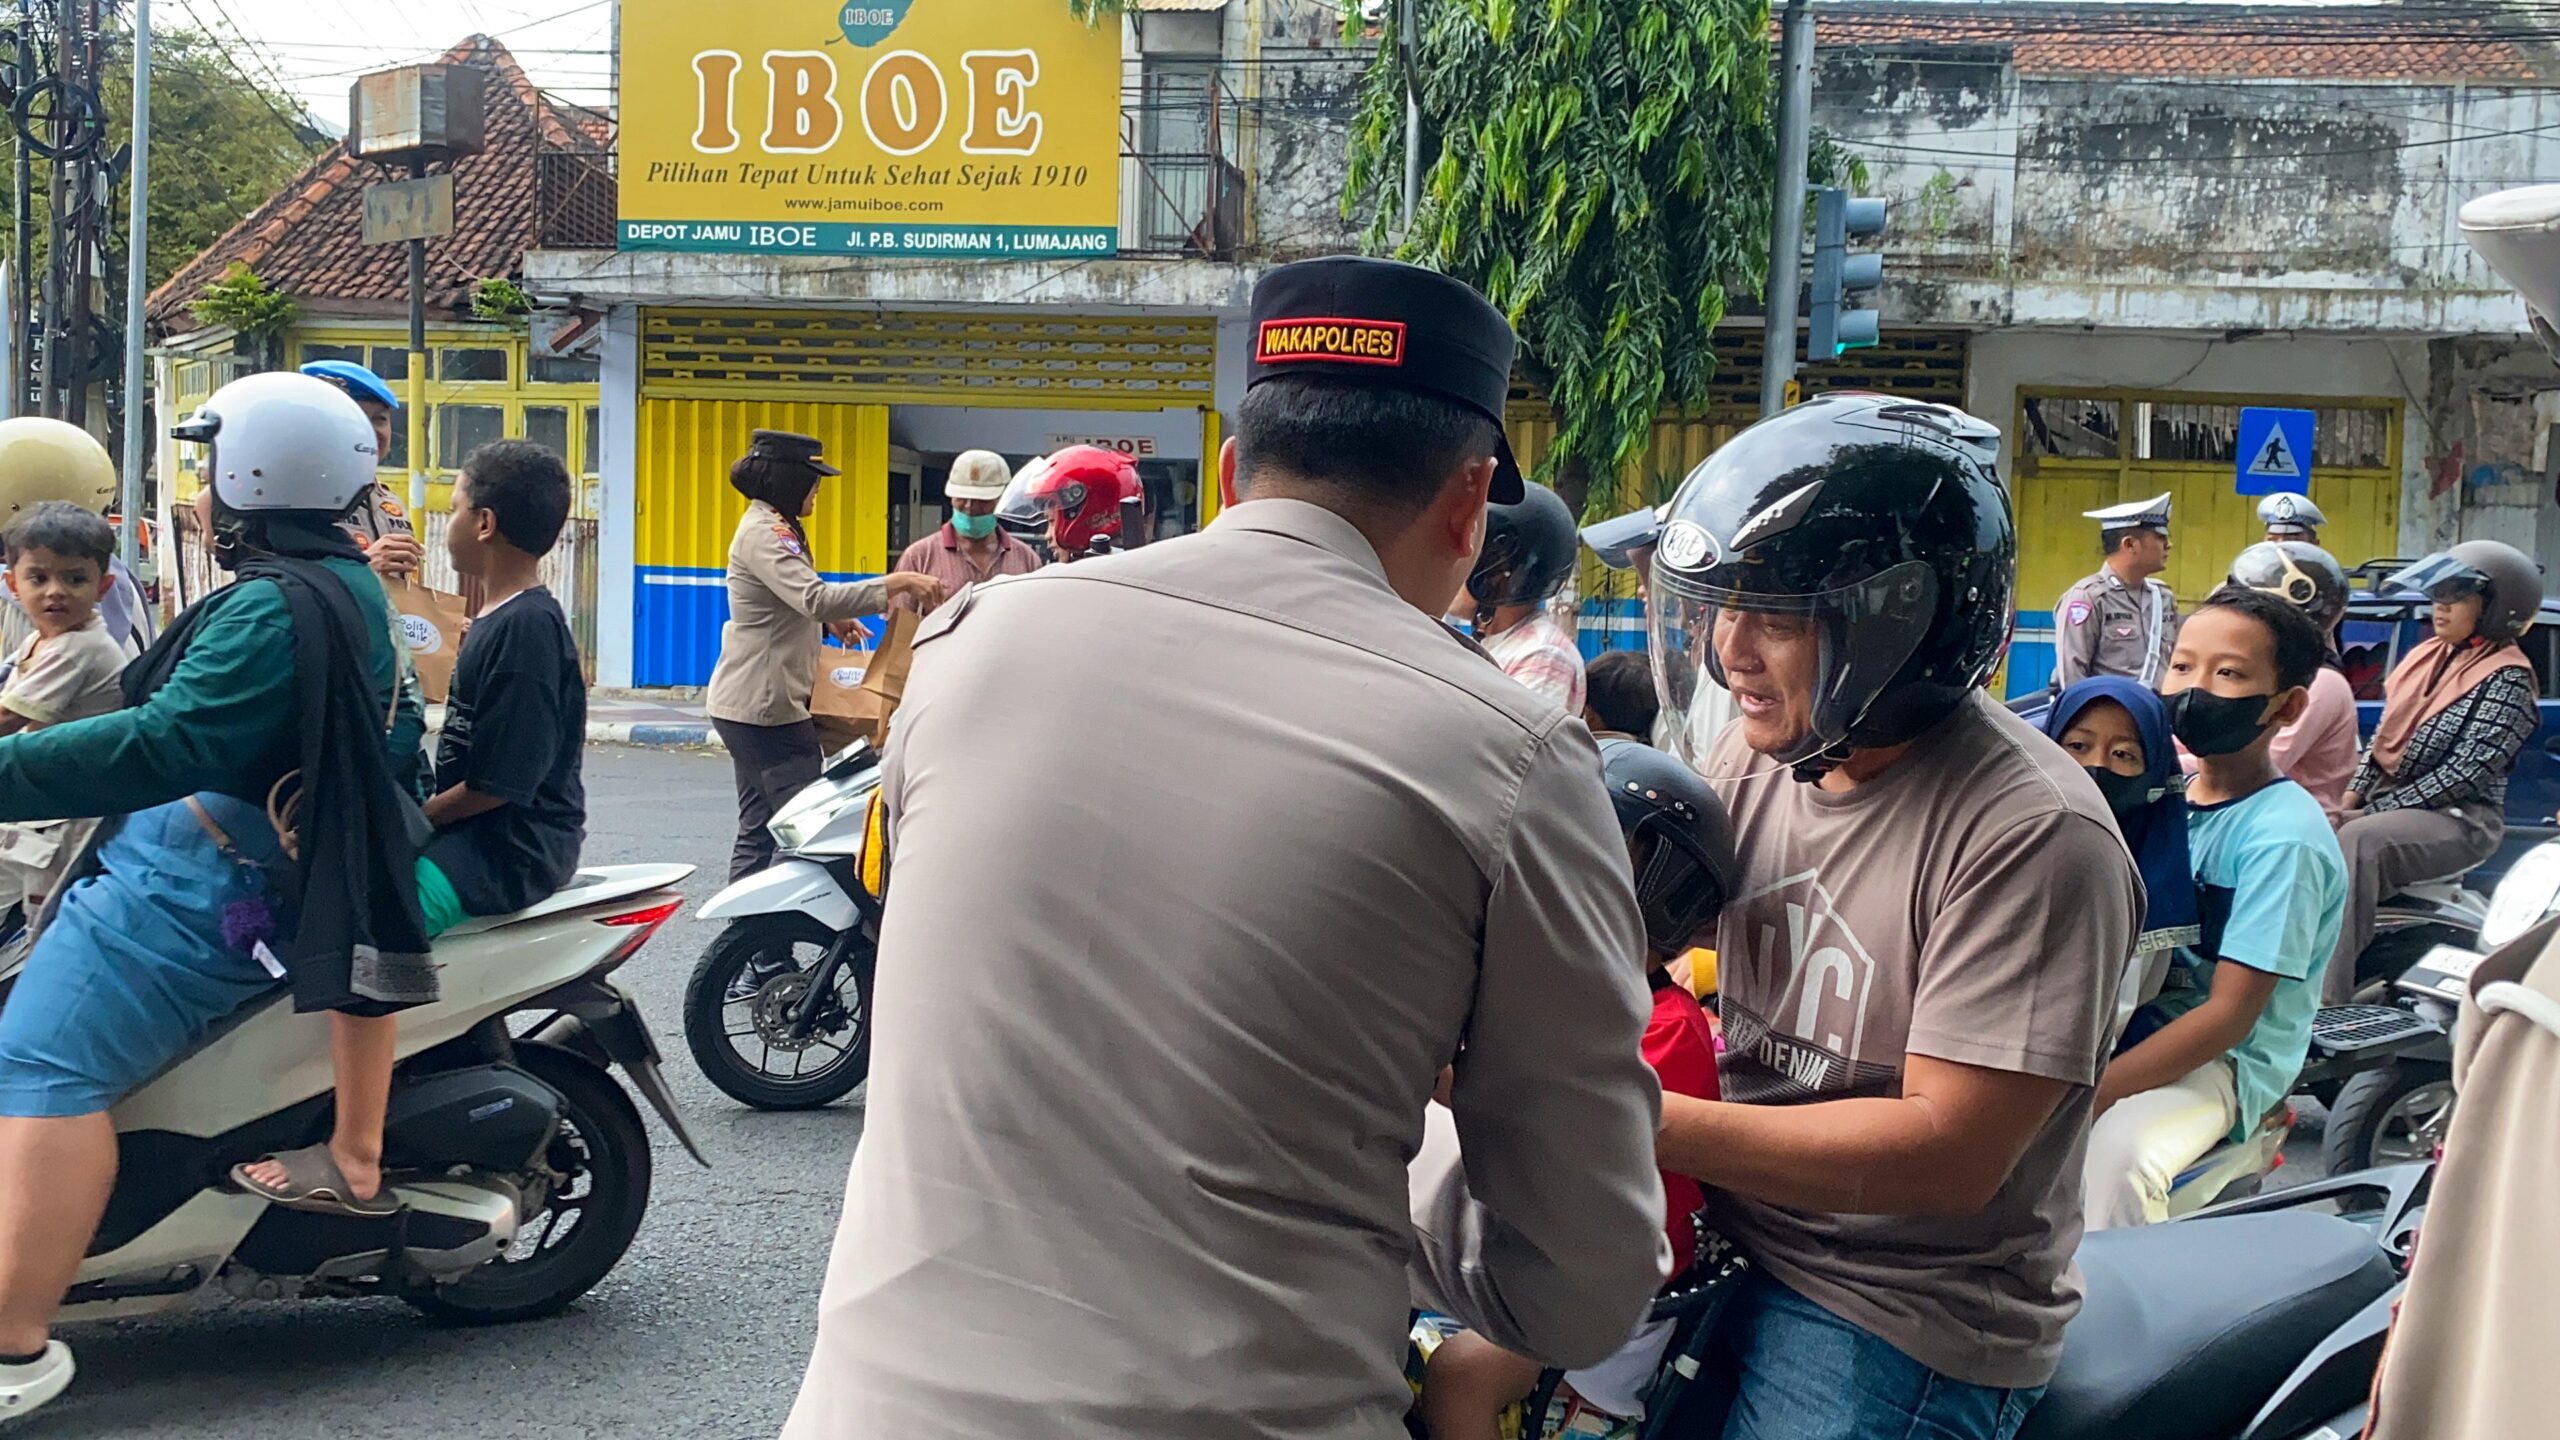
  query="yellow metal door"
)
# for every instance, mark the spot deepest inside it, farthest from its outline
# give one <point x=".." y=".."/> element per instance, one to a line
<point x="687" y="513"/>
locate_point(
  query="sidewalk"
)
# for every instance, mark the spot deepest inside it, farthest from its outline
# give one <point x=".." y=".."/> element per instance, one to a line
<point x="629" y="717"/>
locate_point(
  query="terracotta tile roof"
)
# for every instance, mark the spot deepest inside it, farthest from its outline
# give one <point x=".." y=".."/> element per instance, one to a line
<point x="2254" y="42"/>
<point x="305" y="240"/>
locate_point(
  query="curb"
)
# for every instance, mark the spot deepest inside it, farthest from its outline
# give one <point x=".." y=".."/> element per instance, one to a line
<point x="656" y="736"/>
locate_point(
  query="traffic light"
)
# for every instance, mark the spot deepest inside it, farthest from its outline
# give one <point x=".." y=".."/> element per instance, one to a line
<point x="1842" y="282"/>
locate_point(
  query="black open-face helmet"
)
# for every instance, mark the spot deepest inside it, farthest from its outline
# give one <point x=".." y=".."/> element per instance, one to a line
<point x="1879" y="521"/>
<point x="2299" y="573"/>
<point x="1680" y="836"/>
<point x="1528" y="551"/>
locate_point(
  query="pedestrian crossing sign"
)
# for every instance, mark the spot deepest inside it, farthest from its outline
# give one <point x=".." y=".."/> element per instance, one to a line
<point x="2274" y="450"/>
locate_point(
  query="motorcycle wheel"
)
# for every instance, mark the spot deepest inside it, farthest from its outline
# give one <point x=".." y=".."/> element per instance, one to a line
<point x="782" y="1074"/>
<point x="602" y="1156"/>
<point x="2389" y="1117"/>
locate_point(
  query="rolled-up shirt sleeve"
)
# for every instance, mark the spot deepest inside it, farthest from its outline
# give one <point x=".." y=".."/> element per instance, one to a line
<point x="1545" y="1233"/>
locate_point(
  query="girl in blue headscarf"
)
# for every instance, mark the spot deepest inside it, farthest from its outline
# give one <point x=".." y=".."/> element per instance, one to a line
<point x="2119" y="729"/>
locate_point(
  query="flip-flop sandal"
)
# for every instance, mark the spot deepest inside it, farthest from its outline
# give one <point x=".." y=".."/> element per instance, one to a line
<point x="313" y="1182"/>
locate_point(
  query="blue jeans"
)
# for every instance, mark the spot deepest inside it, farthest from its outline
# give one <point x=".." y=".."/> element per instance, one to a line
<point x="1795" y="1371"/>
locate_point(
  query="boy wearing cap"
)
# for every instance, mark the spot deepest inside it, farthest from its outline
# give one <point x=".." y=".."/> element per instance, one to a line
<point x="1257" y="763"/>
<point x="972" y="547"/>
<point x="2122" y="620"/>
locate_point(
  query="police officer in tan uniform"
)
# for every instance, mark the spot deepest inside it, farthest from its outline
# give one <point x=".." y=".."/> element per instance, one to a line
<point x="381" y="523"/>
<point x="2122" y="620"/>
<point x="1208" y="857"/>
<point x="759" y="695"/>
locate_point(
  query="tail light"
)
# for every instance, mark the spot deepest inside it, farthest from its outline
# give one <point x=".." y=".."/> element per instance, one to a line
<point x="642" y="924"/>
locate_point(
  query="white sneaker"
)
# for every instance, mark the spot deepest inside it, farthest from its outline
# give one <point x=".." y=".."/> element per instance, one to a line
<point x="25" y="1388"/>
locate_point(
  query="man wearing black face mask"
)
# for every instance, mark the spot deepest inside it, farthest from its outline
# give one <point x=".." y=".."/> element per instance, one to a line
<point x="2226" y="1038"/>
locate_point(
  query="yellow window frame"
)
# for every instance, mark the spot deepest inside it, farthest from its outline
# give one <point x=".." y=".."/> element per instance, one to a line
<point x="510" y="397"/>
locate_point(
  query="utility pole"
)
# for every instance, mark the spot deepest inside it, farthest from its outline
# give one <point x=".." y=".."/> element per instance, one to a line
<point x="60" y="201"/>
<point x="137" y="405"/>
<point x="1786" y="230"/>
<point x="1412" y="114"/>
<point x="22" y="294"/>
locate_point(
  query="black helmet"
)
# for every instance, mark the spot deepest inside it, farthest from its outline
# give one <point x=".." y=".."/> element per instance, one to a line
<point x="2508" y="581"/>
<point x="1685" y="862"/>
<point x="2301" y="574"/>
<point x="1881" y="520"/>
<point x="1528" y="551"/>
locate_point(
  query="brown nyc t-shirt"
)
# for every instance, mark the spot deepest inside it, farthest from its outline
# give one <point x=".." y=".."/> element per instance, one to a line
<point x="1973" y="903"/>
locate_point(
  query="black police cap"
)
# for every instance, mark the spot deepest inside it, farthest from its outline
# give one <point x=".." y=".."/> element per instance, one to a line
<point x="1390" y="326"/>
<point x="786" y="448"/>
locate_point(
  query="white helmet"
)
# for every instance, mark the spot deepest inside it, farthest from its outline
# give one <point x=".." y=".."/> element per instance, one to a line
<point x="282" y="441"/>
<point x="2290" y="514"/>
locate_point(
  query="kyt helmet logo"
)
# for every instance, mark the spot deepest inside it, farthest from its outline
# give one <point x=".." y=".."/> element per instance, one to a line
<point x="868" y="22"/>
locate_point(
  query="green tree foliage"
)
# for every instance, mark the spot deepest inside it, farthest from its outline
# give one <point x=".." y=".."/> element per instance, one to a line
<point x="1601" y="169"/>
<point x="220" y="147"/>
<point x="246" y="303"/>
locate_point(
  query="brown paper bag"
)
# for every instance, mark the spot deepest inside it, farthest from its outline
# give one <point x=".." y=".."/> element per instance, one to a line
<point x="886" y="676"/>
<point x="431" y="621"/>
<point x="858" y="690"/>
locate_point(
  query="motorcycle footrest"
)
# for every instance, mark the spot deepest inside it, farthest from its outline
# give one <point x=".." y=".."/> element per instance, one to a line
<point x="2350" y="1032"/>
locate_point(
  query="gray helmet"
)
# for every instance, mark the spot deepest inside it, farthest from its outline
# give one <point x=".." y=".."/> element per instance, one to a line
<point x="2303" y="575"/>
<point x="2507" y="580"/>
<point x="1528" y="550"/>
<point x="1685" y="860"/>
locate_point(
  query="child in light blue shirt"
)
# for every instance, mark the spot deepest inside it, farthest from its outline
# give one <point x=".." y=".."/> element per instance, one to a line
<point x="2225" y="1040"/>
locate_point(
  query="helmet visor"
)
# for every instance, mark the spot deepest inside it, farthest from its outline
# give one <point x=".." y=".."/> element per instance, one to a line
<point x="1676" y="888"/>
<point x="1029" y="499"/>
<point x="2440" y="577"/>
<point x="1801" y="670"/>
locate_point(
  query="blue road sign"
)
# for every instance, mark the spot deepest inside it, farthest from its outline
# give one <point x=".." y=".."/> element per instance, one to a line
<point x="2275" y="450"/>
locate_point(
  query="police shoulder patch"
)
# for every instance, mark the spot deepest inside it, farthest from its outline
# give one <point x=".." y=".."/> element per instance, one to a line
<point x="2078" y="614"/>
<point x="789" y="540"/>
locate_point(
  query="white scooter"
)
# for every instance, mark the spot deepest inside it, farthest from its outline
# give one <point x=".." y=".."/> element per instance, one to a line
<point x="777" y="1013"/>
<point x="522" y="1167"/>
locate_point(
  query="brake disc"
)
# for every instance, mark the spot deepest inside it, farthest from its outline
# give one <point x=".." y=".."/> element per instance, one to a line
<point x="774" y="1004"/>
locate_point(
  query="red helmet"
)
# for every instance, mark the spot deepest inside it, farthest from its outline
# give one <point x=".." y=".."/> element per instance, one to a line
<point x="1077" y="492"/>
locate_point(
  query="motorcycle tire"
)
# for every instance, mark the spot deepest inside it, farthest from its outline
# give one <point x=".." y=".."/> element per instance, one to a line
<point x="2361" y="1123"/>
<point x="604" y="1135"/>
<point x="709" y="1013"/>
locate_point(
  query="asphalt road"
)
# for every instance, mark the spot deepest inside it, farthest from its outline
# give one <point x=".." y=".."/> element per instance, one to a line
<point x="702" y="1330"/>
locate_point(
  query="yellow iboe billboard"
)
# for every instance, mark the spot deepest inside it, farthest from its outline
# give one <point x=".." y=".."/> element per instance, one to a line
<point x="876" y="127"/>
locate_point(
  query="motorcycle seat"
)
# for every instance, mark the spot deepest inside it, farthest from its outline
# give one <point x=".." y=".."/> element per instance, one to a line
<point x="2187" y="1328"/>
<point x="594" y="886"/>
